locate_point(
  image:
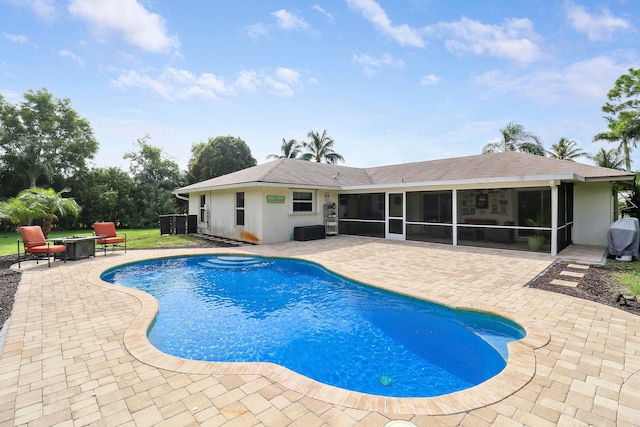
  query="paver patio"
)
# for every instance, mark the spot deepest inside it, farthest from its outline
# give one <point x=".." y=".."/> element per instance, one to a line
<point x="74" y="353"/>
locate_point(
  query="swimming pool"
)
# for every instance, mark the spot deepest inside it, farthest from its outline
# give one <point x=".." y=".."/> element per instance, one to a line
<point x="319" y="324"/>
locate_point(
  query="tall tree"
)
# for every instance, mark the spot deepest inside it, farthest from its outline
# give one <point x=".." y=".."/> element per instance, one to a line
<point x="290" y="149"/>
<point x="514" y="137"/>
<point x="106" y="194"/>
<point x="27" y="163"/>
<point x="219" y="156"/>
<point x="44" y="137"/>
<point x="155" y="177"/>
<point x="566" y="149"/>
<point x="625" y="131"/>
<point x="611" y="159"/>
<point x="623" y="109"/>
<point x="320" y="148"/>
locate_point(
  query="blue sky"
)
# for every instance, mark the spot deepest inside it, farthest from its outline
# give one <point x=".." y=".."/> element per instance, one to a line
<point x="392" y="81"/>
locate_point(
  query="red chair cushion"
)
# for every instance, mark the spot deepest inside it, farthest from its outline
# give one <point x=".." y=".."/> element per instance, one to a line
<point x="110" y="240"/>
<point x="43" y="249"/>
<point x="107" y="229"/>
<point x="32" y="235"/>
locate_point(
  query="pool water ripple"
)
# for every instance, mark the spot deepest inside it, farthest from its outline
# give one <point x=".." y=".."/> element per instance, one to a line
<point x="319" y="324"/>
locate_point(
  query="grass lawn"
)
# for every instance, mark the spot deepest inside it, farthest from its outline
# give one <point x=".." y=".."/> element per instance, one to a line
<point x="136" y="239"/>
<point x="626" y="273"/>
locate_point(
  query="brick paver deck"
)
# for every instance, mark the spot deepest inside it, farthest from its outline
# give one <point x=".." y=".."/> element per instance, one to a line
<point x="76" y="352"/>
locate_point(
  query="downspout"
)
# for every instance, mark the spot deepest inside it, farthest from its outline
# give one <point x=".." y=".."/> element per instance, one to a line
<point x="181" y="197"/>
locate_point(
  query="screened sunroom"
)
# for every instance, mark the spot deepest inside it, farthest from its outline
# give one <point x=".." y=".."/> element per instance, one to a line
<point x="510" y="218"/>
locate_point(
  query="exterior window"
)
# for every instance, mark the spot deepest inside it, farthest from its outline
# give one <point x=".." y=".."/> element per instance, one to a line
<point x="431" y="206"/>
<point x="240" y="209"/>
<point x="203" y="211"/>
<point x="302" y="201"/>
<point x="368" y="206"/>
<point x="361" y="214"/>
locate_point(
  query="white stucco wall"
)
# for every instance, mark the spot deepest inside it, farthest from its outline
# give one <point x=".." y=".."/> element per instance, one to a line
<point x="221" y="213"/>
<point x="275" y="221"/>
<point x="279" y="218"/>
<point x="194" y="209"/>
<point x="264" y="222"/>
<point x="593" y="212"/>
<point x="221" y="217"/>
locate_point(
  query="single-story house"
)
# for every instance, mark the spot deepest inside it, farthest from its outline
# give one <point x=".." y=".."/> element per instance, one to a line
<point x="499" y="200"/>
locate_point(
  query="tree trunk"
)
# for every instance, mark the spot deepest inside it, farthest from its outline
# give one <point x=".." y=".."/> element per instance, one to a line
<point x="46" y="227"/>
<point x="627" y="157"/>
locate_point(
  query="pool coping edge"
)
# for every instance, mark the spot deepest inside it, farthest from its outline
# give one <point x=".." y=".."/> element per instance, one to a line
<point x="520" y="369"/>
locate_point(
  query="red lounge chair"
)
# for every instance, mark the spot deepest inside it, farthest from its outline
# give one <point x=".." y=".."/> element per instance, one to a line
<point x="35" y="243"/>
<point x="106" y="231"/>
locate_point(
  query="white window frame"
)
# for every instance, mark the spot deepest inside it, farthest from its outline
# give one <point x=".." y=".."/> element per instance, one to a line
<point x="203" y="208"/>
<point x="312" y="202"/>
<point x="240" y="208"/>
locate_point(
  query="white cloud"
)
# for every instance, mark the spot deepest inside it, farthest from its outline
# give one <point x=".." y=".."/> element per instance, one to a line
<point x="289" y="21"/>
<point x="130" y="19"/>
<point x="403" y="34"/>
<point x="288" y="75"/>
<point x="430" y="79"/>
<point x="515" y="39"/>
<point x="16" y="38"/>
<point x="580" y="82"/>
<point x="257" y="30"/>
<point x="44" y="9"/>
<point x="70" y="55"/>
<point x="372" y="65"/>
<point x="285" y="20"/>
<point x="248" y="81"/>
<point x="317" y="8"/>
<point x="283" y="83"/>
<point x="596" y="27"/>
<point x="175" y="84"/>
<point x="278" y="87"/>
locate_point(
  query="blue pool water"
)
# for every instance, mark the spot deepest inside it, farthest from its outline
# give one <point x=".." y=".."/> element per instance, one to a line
<point x="317" y="323"/>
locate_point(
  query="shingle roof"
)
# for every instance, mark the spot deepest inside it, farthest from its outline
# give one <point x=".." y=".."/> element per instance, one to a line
<point x="480" y="167"/>
<point x="485" y="167"/>
<point x="287" y="172"/>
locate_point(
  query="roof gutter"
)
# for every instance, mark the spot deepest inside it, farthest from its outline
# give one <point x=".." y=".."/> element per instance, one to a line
<point x="611" y="178"/>
<point x="257" y="184"/>
<point x="536" y="180"/>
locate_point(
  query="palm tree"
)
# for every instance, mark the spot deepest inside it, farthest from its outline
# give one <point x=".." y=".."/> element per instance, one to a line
<point x="27" y="157"/>
<point x="290" y="149"/>
<point x="41" y="204"/>
<point x="608" y="159"/>
<point x="626" y="131"/>
<point x="566" y="149"/>
<point x="320" y="147"/>
<point x="515" y="138"/>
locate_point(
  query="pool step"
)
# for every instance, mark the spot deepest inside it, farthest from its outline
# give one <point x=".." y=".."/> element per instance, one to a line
<point x="228" y="261"/>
